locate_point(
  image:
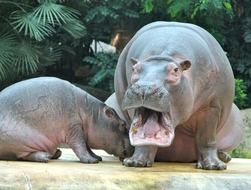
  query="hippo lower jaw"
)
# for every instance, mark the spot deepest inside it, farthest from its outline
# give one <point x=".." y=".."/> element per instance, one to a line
<point x="150" y="127"/>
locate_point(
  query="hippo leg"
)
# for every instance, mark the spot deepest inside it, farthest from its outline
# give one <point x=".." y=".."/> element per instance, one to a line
<point x="93" y="154"/>
<point x="38" y="156"/>
<point x="143" y="157"/>
<point x="75" y="139"/>
<point x="57" y="154"/>
<point x="207" y="122"/>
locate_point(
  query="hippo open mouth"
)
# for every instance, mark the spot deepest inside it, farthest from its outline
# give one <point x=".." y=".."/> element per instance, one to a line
<point x="150" y="127"/>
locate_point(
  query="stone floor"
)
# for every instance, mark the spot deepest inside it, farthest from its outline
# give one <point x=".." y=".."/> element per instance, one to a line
<point x="68" y="173"/>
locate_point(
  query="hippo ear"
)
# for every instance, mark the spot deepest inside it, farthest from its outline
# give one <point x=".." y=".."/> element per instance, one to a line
<point x="109" y="112"/>
<point x="133" y="60"/>
<point x="186" y="64"/>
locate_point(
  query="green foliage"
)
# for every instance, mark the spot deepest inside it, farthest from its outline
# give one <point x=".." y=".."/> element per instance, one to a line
<point x="240" y="152"/>
<point x="26" y="58"/>
<point x="103" y="67"/>
<point x="110" y="15"/>
<point x="7" y="44"/>
<point x="57" y="33"/>
<point x="32" y="26"/>
<point x="111" y="10"/>
<point x="147" y="6"/>
<point x="240" y="98"/>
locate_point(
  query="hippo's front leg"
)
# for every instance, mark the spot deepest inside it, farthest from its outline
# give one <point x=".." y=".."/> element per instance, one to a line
<point x="143" y="157"/>
<point x="208" y="120"/>
<point x="75" y="139"/>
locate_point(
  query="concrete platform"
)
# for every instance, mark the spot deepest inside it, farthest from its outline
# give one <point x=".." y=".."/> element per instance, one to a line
<point x="68" y="173"/>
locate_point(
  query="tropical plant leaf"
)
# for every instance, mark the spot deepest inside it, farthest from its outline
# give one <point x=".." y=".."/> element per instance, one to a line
<point x="55" y="14"/>
<point x="7" y="49"/>
<point x="99" y="13"/>
<point x="131" y="14"/>
<point x="26" y="58"/>
<point x="30" y="25"/>
<point x="49" y="54"/>
<point x="147" y="6"/>
<point x="75" y="28"/>
<point x="98" y="77"/>
<point x="178" y="6"/>
<point x="53" y="1"/>
<point x="103" y="69"/>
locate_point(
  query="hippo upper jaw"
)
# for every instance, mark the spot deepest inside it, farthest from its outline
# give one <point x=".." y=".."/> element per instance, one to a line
<point x="150" y="127"/>
<point x="154" y="102"/>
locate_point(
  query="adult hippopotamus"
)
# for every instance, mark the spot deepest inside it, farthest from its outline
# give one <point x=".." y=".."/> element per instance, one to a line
<point x="175" y="86"/>
<point x="37" y="115"/>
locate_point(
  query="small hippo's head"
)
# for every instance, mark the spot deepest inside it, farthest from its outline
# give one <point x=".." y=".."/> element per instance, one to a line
<point x="110" y="134"/>
<point x="156" y="91"/>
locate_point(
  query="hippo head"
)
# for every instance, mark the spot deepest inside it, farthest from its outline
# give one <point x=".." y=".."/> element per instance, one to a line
<point x="156" y="86"/>
<point x="110" y="133"/>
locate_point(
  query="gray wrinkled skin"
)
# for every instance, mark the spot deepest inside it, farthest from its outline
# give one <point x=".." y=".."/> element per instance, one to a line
<point x="175" y="86"/>
<point x="37" y="115"/>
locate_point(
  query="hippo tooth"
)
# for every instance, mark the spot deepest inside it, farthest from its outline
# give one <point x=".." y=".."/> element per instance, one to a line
<point x="158" y="135"/>
<point x="134" y="130"/>
<point x="142" y="135"/>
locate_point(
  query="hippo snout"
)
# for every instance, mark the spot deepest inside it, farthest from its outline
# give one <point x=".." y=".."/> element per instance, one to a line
<point x="150" y="96"/>
<point x="128" y="150"/>
<point x="144" y="90"/>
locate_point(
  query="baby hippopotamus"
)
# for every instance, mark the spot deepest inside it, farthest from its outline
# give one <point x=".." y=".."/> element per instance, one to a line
<point x="37" y="115"/>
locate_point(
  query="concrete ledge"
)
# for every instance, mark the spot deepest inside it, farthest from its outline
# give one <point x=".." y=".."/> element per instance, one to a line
<point x="69" y="173"/>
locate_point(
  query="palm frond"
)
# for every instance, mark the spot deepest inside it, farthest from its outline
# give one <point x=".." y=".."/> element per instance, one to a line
<point x="49" y="12"/>
<point x="7" y="49"/>
<point x="30" y="25"/>
<point x="75" y="28"/>
<point x="98" y="77"/>
<point x="54" y="1"/>
<point x="26" y="58"/>
<point x="49" y="54"/>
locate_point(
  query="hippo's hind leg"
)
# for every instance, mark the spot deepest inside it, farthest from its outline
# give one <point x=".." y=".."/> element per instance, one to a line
<point x="38" y="156"/>
<point x="231" y="133"/>
<point x="75" y="139"/>
<point x="207" y="121"/>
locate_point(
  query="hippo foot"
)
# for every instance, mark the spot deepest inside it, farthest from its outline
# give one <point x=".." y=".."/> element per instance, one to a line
<point x="224" y="156"/>
<point x="38" y="157"/>
<point x="89" y="160"/>
<point x="143" y="156"/>
<point x="131" y="162"/>
<point x="211" y="164"/>
<point x="99" y="158"/>
<point x="93" y="154"/>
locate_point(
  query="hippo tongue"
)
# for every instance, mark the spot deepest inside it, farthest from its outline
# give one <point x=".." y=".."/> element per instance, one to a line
<point x="151" y="128"/>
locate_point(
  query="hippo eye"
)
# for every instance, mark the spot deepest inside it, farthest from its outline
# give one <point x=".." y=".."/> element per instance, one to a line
<point x="123" y="125"/>
<point x="176" y="69"/>
<point x="134" y="69"/>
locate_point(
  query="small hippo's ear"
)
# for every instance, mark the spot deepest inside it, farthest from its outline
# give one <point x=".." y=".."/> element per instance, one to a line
<point x="133" y="60"/>
<point x="109" y="112"/>
<point x="186" y="64"/>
